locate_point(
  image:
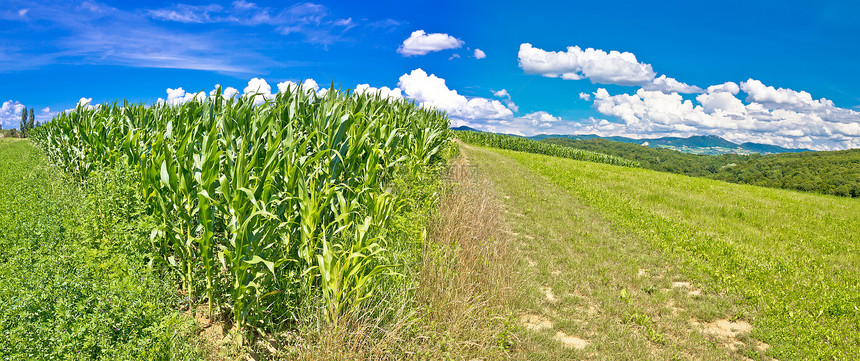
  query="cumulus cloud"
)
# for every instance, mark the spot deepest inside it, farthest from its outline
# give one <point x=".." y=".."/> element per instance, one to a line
<point x="384" y="92"/>
<point x="259" y="90"/>
<point x="10" y="114"/>
<point x="729" y="87"/>
<point x="86" y="103"/>
<point x="479" y="54"/>
<point x="541" y="119"/>
<point x="772" y="116"/>
<point x="506" y="98"/>
<point x="668" y="85"/>
<point x="598" y="66"/>
<point x="584" y="96"/>
<point x="179" y="96"/>
<point x="286" y="86"/>
<point x="421" y="43"/>
<point x="432" y="92"/>
<point x="800" y="101"/>
<point x="227" y="92"/>
<point x="310" y="84"/>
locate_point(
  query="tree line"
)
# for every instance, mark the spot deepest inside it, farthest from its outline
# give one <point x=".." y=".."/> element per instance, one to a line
<point x="835" y="172"/>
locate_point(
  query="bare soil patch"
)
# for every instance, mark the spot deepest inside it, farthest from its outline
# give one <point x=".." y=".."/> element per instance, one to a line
<point x="570" y="341"/>
<point x="535" y="322"/>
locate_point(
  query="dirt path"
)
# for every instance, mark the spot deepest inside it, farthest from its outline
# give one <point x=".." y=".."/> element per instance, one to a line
<point x="591" y="292"/>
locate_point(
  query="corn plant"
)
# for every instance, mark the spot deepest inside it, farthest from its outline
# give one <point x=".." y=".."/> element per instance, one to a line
<point x="283" y="202"/>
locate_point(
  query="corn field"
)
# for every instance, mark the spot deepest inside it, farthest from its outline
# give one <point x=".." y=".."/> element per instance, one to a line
<point x="263" y="209"/>
<point x="531" y="146"/>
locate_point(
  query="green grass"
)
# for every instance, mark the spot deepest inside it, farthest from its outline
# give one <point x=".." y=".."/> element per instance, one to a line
<point x="75" y="284"/>
<point x="613" y="239"/>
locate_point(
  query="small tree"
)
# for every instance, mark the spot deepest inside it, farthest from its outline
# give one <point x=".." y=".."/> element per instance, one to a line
<point x="23" y="127"/>
<point x="31" y="124"/>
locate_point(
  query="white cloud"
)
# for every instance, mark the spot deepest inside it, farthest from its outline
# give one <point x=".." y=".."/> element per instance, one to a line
<point x="771" y="116"/>
<point x="781" y="98"/>
<point x="729" y="87"/>
<point x="506" y="98"/>
<point x="10" y="114"/>
<point x="308" y="84"/>
<point x="584" y="96"/>
<point x="311" y="84"/>
<point x="479" y="54"/>
<point x="85" y="102"/>
<point x="227" y="92"/>
<point x="541" y="119"/>
<point x="179" y="96"/>
<point x="23" y="12"/>
<point x="385" y="92"/>
<point x="421" y="43"/>
<point x="283" y="87"/>
<point x="259" y="90"/>
<point x="598" y="66"/>
<point x="431" y="92"/>
<point x="668" y="85"/>
<point x="601" y="67"/>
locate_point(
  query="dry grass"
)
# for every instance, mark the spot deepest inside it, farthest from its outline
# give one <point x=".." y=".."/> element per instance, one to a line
<point x="465" y="284"/>
<point x="461" y="308"/>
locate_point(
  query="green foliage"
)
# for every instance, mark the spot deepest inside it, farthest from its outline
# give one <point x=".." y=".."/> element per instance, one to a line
<point x="31" y="124"/>
<point x="73" y="286"/>
<point x="835" y="173"/>
<point x="23" y="128"/>
<point x="530" y="146"/>
<point x="263" y="210"/>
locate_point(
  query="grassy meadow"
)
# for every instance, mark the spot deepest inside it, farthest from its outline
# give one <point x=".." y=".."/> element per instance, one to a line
<point x="646" y="265"/>
<point x="72" y="261"/>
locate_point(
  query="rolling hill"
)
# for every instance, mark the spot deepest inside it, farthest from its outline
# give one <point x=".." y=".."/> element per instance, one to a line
<point x="835" y="172"/>
<point x="699" y="144"/>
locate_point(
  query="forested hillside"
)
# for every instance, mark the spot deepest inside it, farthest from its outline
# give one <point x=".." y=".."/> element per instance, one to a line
<point x="836" y="173"/>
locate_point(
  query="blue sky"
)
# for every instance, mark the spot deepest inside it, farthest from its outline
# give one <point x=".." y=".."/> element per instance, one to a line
<point x="781" y="73"/>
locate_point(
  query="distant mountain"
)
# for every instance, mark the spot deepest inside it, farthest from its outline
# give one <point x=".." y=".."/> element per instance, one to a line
<point x="699" y="144"/>
<point x="767" y="148"/>
<point x="466" y="129"/>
